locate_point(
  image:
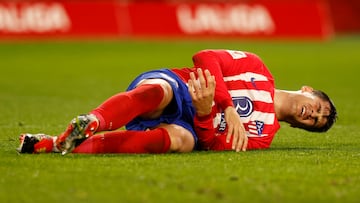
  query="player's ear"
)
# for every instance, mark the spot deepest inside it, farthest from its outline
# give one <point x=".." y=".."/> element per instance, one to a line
<point x="306" y="89"/>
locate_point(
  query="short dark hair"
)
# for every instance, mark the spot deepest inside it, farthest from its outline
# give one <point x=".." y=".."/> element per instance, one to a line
<point x="331" y="118"/>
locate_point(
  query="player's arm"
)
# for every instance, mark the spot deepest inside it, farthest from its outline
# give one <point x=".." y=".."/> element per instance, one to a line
<point x="220" y="62"/>
<point x="202" y="94"/>
<point x="213" y="61"/>
<point x="218" y="143"/>
<point x="202" y="91"/>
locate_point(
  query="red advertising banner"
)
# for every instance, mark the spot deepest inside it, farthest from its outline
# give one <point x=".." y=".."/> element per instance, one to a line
<point x="56" y="18"/>
<point x="257" y="19"/>
<point x="279" y="19"/>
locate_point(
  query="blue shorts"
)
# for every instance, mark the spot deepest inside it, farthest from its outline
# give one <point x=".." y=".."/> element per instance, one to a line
<point x="180" y="111"/>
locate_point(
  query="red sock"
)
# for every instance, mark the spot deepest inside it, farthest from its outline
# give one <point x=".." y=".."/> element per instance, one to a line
<point x="121" y="108"/>
<point x="141" y="142"/>
<point x="44" y="146"/>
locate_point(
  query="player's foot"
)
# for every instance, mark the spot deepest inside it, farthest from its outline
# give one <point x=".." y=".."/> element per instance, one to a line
<point x="80" y="128"/>
<point x="35" y="143"/>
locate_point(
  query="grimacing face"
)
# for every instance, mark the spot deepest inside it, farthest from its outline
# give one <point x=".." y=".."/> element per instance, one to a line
<point x="309" y="111"/>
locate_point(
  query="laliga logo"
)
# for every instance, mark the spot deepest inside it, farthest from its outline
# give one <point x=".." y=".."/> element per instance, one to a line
<point x="227" y="19"/>
<point x="34" y="17"/>
<point x="243" y="106"/>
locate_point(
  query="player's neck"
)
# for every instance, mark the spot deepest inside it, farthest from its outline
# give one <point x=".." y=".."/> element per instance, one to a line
<point x="281" y="104"/>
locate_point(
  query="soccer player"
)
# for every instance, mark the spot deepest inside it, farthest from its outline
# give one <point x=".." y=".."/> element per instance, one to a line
<point x="159" y="116"/>
<point x="245" y="79"/>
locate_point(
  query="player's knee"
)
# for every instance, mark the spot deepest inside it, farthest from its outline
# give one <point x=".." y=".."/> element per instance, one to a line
<point x="167" y="91"/>
<point x="182" y="143"/>
<point x="181" y="139"/>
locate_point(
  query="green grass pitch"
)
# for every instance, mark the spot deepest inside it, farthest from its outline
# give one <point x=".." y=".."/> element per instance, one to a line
<point x="44" y="84"/>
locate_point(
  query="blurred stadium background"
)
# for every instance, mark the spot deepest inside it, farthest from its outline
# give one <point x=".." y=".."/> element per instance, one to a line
<point x="316" y="19"/>
<point x="61" y="58"/>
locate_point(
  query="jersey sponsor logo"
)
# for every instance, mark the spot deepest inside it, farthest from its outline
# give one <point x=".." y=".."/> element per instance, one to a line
<point x="222" y="125"/>
<point x="243" y="106"/>
<point x="259" y="127"/>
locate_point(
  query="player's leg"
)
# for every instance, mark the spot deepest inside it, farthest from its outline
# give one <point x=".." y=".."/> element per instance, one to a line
<point x="147" y="100"/>
<point x="179" y="111"/>
<point x="182" y="140"/>
<point x="167" y="138"/>
<point x="36" y="143"/>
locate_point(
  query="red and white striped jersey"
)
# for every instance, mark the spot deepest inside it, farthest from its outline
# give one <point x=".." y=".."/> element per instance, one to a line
<point x="242" y="80"/>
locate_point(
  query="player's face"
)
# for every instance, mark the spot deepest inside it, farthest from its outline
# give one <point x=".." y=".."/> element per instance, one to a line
<point x="309" y="110"/>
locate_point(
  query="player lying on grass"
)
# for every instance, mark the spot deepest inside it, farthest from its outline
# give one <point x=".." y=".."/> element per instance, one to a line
<point x="159" y="115"/>
<point x="245" y="79"/>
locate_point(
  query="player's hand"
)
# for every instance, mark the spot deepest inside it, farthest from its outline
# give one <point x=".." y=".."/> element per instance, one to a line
<point x="202" y="91"/>
<point x="235" y="129"/>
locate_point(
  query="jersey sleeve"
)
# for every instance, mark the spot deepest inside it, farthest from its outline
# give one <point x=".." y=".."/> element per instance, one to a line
<point x="216" y="61"/>
<point x="207" y="139"/>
